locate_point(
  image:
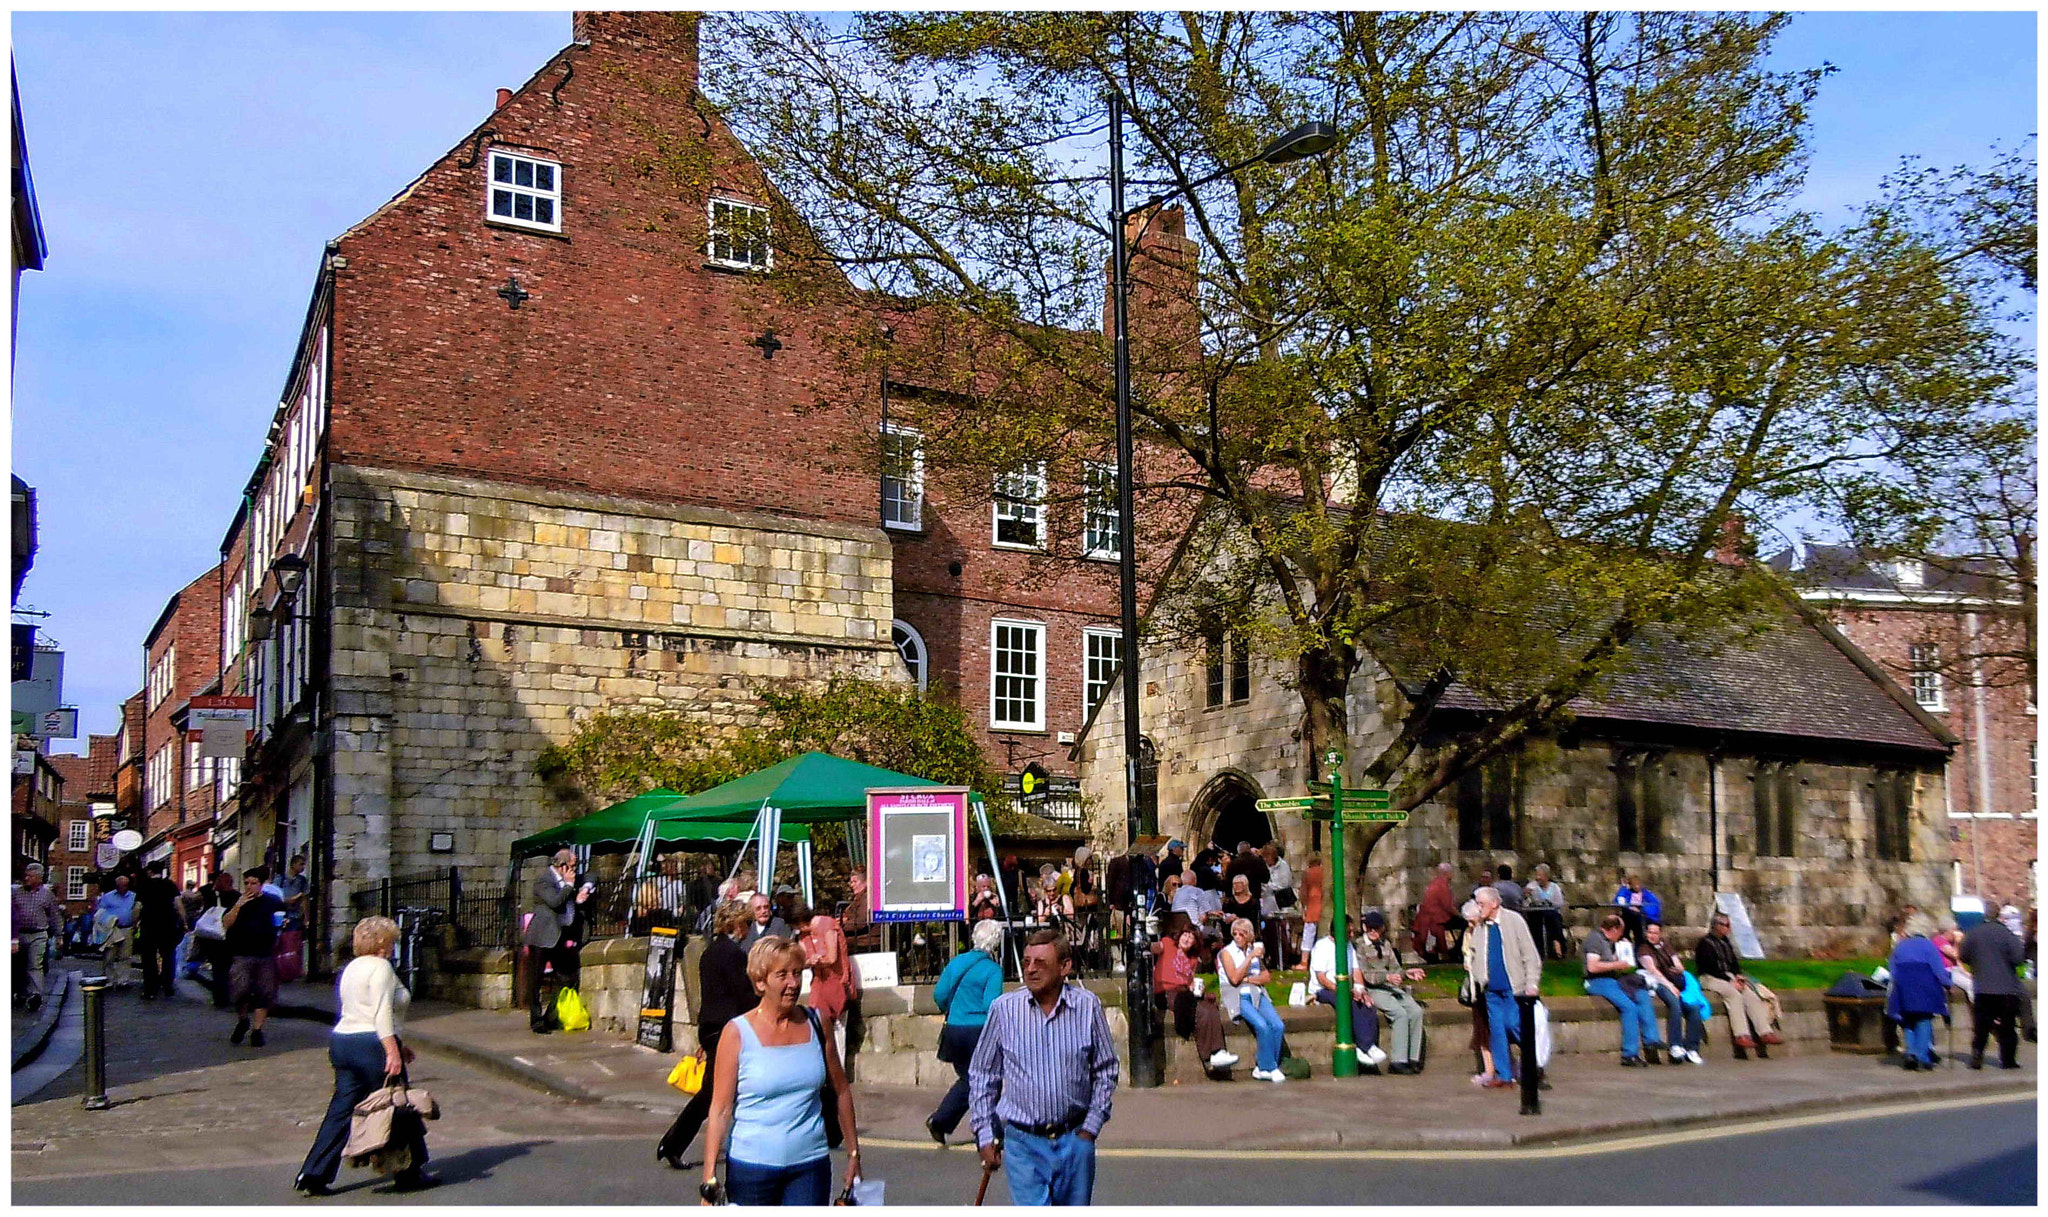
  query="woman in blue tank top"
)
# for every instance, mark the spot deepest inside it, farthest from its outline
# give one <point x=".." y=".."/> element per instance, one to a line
<point x="765" y="1096"/>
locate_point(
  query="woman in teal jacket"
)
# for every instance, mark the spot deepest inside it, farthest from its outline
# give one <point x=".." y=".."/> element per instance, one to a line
<point x="966" y="988"/>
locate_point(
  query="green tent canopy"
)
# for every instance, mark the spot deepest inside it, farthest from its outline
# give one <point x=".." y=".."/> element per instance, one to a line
<point x="623" y="822"/>
<point x="815" y="788"/>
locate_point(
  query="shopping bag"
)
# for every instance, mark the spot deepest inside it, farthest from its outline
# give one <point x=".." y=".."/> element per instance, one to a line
<point x="209" y="925"/>
<point x="569" y="1009"/>
<point x="1298" y="995"/>
<point x="291" y="962"/>
<point x="688" y="1075"/>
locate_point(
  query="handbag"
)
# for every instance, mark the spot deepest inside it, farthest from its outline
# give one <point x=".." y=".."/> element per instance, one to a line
<point x="828" y="1098"/>
<point x="291" y="963"/>
<point x="1468" y="993"/>
<point x="688" y="1075"/>
<point x="378" y="1133"/>
<point x="209" y="925"/>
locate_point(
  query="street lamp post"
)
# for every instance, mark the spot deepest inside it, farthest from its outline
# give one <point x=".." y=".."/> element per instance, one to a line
<point x="1308" y="139"/>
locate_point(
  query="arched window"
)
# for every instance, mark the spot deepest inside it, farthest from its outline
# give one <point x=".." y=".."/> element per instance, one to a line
<point x="910" y="645"/>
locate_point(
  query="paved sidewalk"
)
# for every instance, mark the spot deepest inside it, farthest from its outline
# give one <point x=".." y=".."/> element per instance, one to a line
<point x="1591" y="1095"/>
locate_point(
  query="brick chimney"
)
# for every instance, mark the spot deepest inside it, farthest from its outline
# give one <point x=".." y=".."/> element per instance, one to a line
<point x="1165" y="322"/>
<point x="671" y="36"/>
<point x="504" y="95"/>
<point x="1732" y="548"/>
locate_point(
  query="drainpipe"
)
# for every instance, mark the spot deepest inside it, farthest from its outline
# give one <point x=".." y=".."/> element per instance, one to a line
<point x="1714" y="819"/>
<point x="1980" y="728"/>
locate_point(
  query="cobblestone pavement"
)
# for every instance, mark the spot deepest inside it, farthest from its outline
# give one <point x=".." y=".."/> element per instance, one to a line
<point x="183" y="1096"/>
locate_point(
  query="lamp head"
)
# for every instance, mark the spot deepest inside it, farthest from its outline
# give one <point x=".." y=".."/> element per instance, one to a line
<point x="290" y="570"/>
<point x="1309" y="139"/>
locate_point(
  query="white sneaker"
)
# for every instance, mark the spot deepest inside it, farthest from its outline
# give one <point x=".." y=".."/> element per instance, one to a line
<point x="1220" y="1059"/>
<point x="1693" y="1055"/>
<point x="1364" y="1057"/>
<point x="1375" y="1055"/>
<point x="1274" y="1075"/>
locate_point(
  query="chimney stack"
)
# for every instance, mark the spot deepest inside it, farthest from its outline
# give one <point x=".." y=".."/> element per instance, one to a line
<point x="1728" y="551"/>
<point x="671" y="36"/>
<point x="504" y="95"/>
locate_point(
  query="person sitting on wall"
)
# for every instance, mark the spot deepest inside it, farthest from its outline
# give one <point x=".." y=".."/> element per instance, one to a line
<point x="1685" y="1024"/>
<point x="1174" y="987"/>
<point x="1365" y="1020"/>
<point x="1387" y="977"/>
<point x="1611" y="975"/>
<point x="1753" y="1011"/>
<point x="1434" y="919"/>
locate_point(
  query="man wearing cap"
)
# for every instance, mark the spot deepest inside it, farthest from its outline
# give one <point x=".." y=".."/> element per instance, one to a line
<point x="1386" y="977"/>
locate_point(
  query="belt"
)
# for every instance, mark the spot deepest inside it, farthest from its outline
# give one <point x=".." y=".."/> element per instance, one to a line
<point x="1057" y="1128"/>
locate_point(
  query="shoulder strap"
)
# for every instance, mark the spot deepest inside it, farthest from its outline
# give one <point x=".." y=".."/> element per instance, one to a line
<point x="818" y="1033"/>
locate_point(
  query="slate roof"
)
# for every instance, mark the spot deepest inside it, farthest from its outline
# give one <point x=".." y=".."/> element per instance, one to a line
<point x="1846" y="568"/>
<point x="1794" y="681"/>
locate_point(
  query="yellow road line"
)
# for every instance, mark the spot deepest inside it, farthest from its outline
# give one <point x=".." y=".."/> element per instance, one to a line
<point x="1680" y="1136"/>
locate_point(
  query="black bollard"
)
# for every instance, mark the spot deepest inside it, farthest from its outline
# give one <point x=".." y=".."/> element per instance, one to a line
<point x="94" y="990"/>
<point x="1531" y="1104"/>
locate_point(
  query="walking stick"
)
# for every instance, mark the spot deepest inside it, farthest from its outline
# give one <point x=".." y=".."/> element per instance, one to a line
<point x="986" y="1172"/>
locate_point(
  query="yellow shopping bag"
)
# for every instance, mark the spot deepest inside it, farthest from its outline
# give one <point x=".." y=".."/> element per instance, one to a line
<point x="569" y="1009"/>
<point x="688" y="1075"/>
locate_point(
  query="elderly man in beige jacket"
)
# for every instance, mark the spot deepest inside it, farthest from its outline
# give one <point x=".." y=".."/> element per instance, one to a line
<point x="1501" y="957"/>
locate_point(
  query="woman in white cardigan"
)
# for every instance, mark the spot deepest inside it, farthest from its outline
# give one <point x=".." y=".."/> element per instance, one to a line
<point x="366" y="1053"/>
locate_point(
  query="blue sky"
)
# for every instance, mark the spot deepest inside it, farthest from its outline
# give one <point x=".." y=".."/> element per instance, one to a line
<point x="191" y="165"/>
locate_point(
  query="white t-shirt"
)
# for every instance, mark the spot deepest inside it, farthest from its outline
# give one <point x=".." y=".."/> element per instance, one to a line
<point x="1322" y="958"/>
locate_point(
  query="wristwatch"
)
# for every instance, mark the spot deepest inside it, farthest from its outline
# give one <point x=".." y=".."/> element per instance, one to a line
<point x="713" y="1192"/>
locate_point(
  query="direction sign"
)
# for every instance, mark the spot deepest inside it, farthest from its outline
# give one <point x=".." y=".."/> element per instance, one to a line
<point x="1301" y="803"/>
<point x="1375" y="816"/>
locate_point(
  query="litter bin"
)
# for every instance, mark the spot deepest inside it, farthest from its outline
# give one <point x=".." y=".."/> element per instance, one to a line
<point x="1855" y="1009"/>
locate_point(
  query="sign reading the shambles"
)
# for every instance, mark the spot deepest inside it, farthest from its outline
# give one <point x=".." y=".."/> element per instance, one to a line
<point x="657" y="997"/>
<point x="918" y="842"/>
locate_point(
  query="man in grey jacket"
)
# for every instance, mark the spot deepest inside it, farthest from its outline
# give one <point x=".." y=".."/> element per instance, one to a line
<point x="1503" y="962"/>
<point x="1993" y="954"/>
<point x="551" y="933"/>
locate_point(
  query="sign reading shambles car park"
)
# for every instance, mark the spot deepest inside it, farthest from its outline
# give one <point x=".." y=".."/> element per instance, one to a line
<point x="917" y="839"/>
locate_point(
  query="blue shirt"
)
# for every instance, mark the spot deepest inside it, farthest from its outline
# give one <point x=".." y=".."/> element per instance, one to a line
<point x="121" y="905"/>
<point x="1496" y="962"/>
<point x="967" y="988"/>
<point x="777" y="1119"/>
<point x="1035" y="1068"/>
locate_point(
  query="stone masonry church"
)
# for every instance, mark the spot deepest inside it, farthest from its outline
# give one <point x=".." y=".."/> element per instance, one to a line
<point x="550" y="444"/>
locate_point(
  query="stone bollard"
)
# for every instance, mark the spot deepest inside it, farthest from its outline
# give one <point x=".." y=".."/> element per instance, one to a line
<point x="94" y="991"/>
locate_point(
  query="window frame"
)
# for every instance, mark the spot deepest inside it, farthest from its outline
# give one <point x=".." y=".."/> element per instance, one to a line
<point x="923" y="671"/>
<point x="715" y="231"/>
<point x="915" y="480"/>
<point x="1092" y="492"/>
<point x="74" y="882"/>
<point x="492" y="184"/>
<point x="1030" y="471"/>
<point x="1091" y="695"/>
<point x="995" y="676"/>
<point x="76" y="841"/>
<point x="1925" y="664"/>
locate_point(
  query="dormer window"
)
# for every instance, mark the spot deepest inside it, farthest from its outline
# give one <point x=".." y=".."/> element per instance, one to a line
<point x="739" y="236"/>
<point x="1908" y="572"/>
<point x="525" y="192"/>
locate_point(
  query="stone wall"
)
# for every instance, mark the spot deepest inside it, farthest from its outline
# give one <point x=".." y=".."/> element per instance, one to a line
<point x="476" y="623"/>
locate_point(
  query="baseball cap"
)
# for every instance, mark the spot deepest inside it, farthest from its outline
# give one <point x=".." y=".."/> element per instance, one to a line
<point x="1374" y="920"/>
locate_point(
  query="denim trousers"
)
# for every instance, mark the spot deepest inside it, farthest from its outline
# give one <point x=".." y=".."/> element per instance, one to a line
<point x="1049" y="1170"/>
<point x="1638" y="1013"/>
<point x="1682" y="1025"/>
<point x="1919" y="1030"/>
<point x="807" y="1183"/>
<point x="1257" y="1011"/>
<point x="358" y="1061"/>
<point x="1365" y="1021"/>
<point x="1503" y="1018"/>
<point x="956" y="1047"/>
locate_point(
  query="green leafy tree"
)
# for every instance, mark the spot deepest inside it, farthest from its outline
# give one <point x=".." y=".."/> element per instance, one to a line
<point x="1545" y="317"/>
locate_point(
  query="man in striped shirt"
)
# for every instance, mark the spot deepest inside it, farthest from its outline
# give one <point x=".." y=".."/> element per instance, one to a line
<point x="1041" y="1080"/>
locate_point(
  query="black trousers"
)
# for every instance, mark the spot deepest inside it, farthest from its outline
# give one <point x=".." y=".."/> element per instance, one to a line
<point x="1999" y="1011"/>
<point x="567" y="962"/>
<point x="691" y="1119"/>
<point x="156" y="948"/>
<point x="1182" y="1003"/>
<point x="217" y="962"/>
<point x="358" y="1062"/>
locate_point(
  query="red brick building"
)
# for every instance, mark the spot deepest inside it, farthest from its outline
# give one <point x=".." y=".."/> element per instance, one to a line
<point x="1943" y="630"/>
<point x="181" y="657"/>
<point x="71" y="852"/>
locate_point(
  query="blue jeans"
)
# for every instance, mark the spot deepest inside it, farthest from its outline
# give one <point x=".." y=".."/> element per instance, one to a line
<point x="1638" y="1014"/>
<point x="358" y="1061"/>
<point x="956" y="1048"/>
<point x="807" y="1183"/>
<point x="1258" y="1014"/>
<point x="1365" y="1021"/>
<point x="1048" y="1170"/>
<point x="1919" y="1029"/>
<point x="1503" y="1017"/>
<point x="1682" y="1025"/>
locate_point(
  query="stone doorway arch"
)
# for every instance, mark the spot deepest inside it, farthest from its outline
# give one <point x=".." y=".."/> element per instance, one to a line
<point x="1226" y="812"/>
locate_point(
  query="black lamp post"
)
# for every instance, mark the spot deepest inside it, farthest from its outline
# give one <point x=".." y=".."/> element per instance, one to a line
<point x="1306" y="140"/>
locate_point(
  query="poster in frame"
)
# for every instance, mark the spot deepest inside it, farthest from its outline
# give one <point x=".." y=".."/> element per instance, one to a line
<point x="917" y="847"/>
